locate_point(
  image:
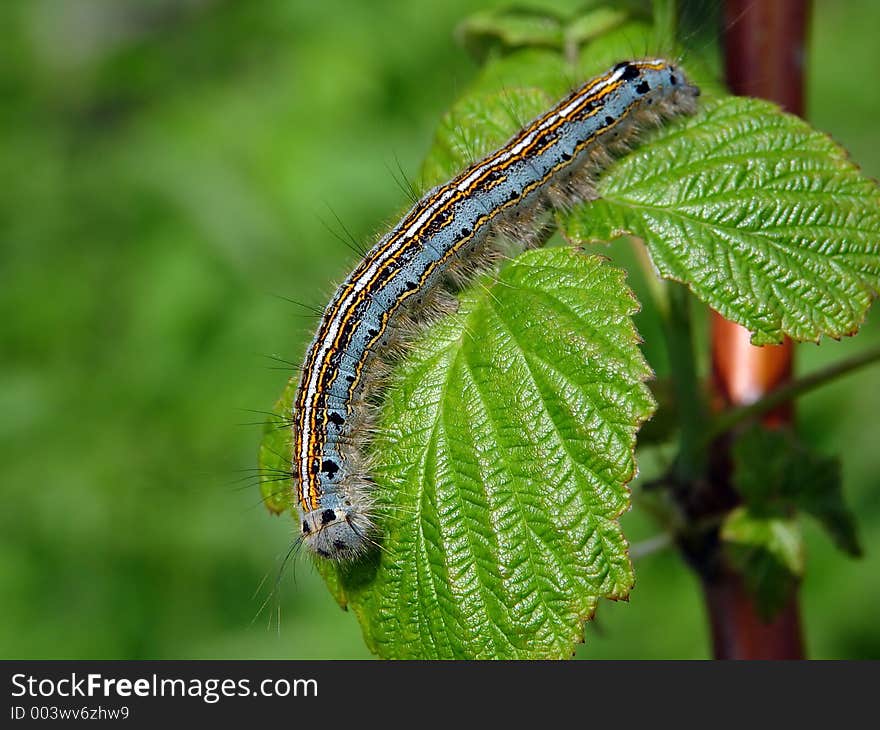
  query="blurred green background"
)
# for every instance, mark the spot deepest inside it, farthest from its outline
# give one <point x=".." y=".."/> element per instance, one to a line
<point x="167" y="170"/>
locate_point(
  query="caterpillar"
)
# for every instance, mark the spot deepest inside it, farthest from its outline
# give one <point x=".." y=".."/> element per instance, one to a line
<point x="452" y="232"/>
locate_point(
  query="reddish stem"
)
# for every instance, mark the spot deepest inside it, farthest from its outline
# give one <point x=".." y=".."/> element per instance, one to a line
<point x="737" y="630"/>
<point x="764" y="57"/>
<point x="764" y="50"/>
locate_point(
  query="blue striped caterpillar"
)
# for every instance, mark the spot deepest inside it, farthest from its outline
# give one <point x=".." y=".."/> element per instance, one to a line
<point x="454" y="231"/>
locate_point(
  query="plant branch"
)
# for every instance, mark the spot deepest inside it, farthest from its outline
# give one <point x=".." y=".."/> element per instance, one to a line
<point x="764" y="49"/>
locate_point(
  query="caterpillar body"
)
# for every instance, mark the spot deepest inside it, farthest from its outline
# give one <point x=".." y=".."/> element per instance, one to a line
<point x="453" y="231"/>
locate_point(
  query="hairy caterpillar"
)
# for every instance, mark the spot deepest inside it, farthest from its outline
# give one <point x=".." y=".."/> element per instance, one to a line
<point x="452" y="232"/>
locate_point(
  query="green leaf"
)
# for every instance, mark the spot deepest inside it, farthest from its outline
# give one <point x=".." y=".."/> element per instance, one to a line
<point x="505" y="445"/>
<point x="768" y="552"/>
<point x="776" y="474"/>
<point x="762" y="217"/>
<point x="594" y="23"/>
<point x="502" y="29"/>
<point x="274" y="455"/>
<point x="508" y="29"/>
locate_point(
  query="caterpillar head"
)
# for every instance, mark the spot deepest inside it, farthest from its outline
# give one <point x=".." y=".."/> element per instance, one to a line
<point x="656" y="77"/>
<point x="339" y="533"/>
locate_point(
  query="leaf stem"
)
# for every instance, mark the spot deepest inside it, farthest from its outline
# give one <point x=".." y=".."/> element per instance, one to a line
<point x="692" y="408"/>
<point x="790" y="391"/>
<point x="655" y="283"/>
<point x="650" y="546"/>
